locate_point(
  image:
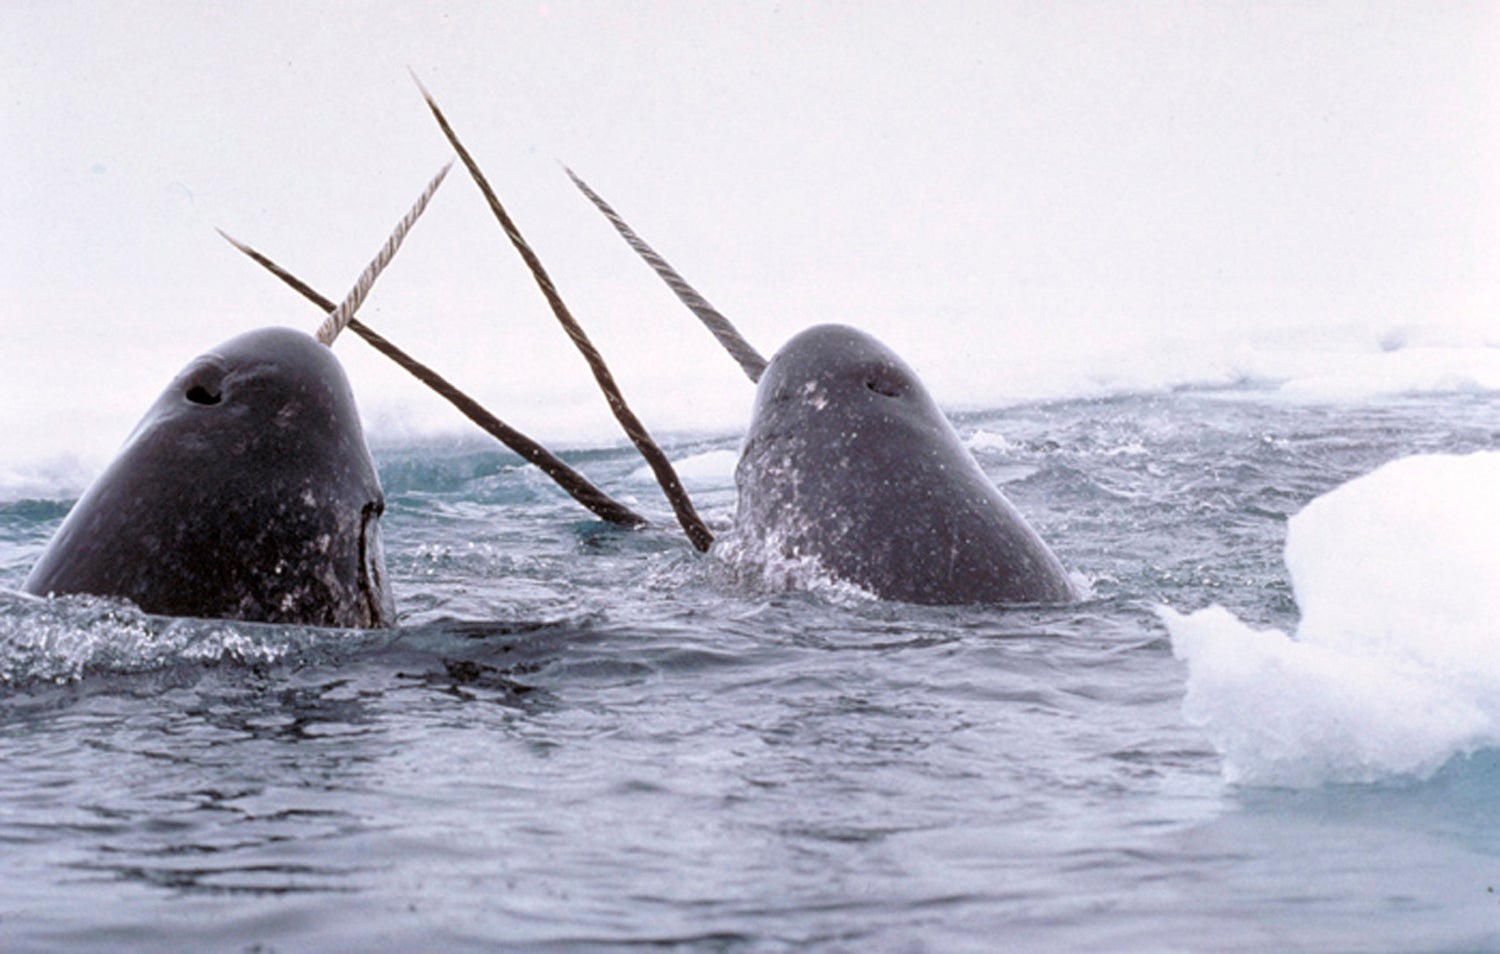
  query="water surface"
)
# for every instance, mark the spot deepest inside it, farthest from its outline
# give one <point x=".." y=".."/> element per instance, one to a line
<point x="584" y="738"/>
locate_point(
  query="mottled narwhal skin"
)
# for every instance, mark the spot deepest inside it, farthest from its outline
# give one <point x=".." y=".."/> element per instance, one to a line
<point x="848" y="460"/>
<point x="246" y="492"/>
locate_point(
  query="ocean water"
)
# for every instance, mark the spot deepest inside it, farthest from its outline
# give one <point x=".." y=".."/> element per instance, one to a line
<point x="589" y="739"/>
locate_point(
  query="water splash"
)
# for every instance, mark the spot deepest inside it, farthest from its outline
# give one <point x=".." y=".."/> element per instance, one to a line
<point x="63" y="640"/>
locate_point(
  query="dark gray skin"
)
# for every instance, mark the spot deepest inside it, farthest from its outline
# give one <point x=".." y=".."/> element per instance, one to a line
<point x="246" y="492"/>
<point x="848" y="460"/>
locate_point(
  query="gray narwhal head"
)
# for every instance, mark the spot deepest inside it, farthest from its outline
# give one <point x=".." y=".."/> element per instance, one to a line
<point x="850" y="461"/>
<point x="246" y="492"/>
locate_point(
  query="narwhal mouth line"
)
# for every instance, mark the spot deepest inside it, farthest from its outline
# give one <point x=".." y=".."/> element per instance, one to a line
<point x="370" y="582"/>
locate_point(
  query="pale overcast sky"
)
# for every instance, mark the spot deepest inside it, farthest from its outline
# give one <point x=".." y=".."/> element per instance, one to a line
<point x="989" y="186"/>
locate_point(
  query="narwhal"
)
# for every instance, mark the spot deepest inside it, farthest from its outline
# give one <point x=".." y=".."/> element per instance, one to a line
<point x="849" y="461"/>
<point x="246" y="492"/>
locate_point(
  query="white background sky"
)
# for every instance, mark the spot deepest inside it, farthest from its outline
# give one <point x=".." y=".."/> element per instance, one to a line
<point x="1025" y="199"/>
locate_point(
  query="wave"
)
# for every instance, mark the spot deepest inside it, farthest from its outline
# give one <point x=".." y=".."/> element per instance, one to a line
<point x="61" y="641"/>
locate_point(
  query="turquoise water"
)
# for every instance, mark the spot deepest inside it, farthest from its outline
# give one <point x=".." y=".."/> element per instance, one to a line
<point x="584" y="738"/>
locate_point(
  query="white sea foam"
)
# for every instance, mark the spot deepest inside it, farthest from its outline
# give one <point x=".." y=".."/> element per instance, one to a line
<point x="708" y="469"/>
<point x="985" y="441"/>
<point x="58" y="478"/>
<point x="762" y="564"/>
<point x="1393" y="670"/>
<point x="62" y="640"/>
